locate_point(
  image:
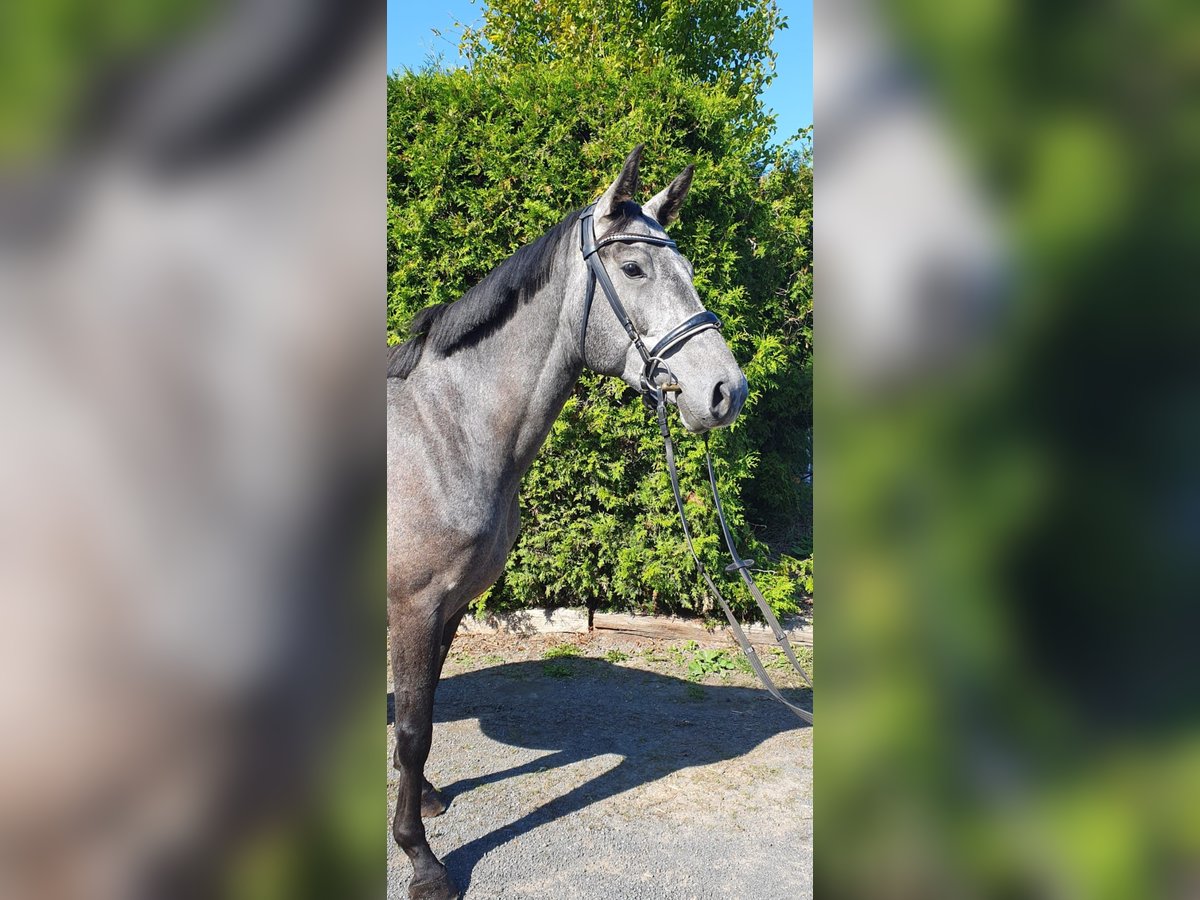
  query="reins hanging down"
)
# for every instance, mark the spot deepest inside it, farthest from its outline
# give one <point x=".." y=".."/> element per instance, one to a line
<point x="654" y="395"/>
<point x="741" y="565"/>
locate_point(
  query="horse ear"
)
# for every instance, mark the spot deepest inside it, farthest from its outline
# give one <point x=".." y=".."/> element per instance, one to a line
<point x="623" y="188"/>
<point x="663" y="208"/>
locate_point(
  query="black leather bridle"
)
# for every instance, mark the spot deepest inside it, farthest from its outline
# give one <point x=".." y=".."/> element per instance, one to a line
<point x="654" y="395"/>
<point x="652" y="359"/>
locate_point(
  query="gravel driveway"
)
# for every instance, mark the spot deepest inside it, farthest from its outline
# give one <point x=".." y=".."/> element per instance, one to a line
<point x="612" y="775"/>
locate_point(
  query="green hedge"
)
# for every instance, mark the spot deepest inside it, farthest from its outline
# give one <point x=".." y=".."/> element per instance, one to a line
<point x="484" y="159"/>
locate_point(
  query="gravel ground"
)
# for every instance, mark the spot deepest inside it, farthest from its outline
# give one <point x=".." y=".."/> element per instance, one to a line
<point x="613" y="776"/>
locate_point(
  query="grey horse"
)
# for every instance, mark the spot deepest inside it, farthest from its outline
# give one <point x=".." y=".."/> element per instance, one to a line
<point x="471" y="398"/>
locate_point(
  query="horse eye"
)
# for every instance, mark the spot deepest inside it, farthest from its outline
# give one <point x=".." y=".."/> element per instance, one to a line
<point x="633" y="270"/>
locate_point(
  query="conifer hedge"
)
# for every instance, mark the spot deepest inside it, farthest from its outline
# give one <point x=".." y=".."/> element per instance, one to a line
<point x="485" y="158"/>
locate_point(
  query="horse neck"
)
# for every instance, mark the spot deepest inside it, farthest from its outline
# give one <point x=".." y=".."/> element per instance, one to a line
<point x="518" y="379"/>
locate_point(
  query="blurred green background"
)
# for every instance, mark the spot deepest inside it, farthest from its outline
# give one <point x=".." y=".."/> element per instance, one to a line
<point x="1011" y="545"/>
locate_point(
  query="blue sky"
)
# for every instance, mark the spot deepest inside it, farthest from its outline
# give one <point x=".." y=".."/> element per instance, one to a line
<point x="411" y="42"/>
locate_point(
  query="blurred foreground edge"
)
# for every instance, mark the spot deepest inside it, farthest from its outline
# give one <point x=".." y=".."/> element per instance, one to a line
<point x="190" y="256"/>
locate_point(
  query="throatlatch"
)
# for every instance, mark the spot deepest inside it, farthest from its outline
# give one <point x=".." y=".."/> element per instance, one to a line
<point x="654" y="395"/>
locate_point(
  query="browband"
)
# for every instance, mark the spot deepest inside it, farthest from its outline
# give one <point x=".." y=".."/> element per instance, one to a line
<point x="629" y="238"/>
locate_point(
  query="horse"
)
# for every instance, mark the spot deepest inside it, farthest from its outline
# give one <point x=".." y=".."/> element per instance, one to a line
<point x="471" y="397"/>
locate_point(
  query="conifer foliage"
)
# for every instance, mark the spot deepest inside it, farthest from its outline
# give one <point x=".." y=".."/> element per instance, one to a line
<point x="485" y="158"/>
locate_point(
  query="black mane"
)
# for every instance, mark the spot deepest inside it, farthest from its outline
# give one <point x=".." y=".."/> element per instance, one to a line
<point x="446" y="327"/>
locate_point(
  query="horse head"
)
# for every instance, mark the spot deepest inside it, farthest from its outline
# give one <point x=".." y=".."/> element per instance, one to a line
<point x="674" y="342"/>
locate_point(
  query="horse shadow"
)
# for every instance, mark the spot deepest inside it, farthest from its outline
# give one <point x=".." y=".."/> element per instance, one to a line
<point x="583" y="708"/>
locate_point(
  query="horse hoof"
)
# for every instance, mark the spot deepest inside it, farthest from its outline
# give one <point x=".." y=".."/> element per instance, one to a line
<point x="440" y="888"/>
<point x="433" y="803"/>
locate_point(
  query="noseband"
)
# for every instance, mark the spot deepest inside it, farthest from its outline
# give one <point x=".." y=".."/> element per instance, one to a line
<point x="654" y="395"/>
<point x="652" y="359"/>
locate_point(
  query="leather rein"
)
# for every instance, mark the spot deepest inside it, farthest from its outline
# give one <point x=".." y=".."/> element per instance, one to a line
<point x="654" y="396"/>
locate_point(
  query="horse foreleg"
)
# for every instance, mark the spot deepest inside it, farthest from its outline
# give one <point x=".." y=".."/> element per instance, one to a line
<point x="416" y="662"/>
<point x="433" y="802"/>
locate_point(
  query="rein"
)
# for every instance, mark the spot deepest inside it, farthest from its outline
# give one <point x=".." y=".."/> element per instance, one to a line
<point x="654" y="396"/>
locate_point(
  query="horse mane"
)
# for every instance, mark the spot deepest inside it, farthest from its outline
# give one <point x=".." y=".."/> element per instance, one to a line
<point x="447" y="327"/>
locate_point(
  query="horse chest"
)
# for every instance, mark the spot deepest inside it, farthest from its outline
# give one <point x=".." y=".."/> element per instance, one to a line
<point x="492" y="525"/>
<point x="482" y="555"/>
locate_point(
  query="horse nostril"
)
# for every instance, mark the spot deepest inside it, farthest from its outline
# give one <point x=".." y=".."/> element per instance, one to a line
<point x="720" y="399"/>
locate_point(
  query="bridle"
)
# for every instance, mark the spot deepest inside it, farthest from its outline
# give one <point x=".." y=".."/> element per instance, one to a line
<point x="654" y="395"/>
<point x="651" y="359"/>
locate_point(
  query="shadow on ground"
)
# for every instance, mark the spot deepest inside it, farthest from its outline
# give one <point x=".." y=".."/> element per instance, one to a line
<point x="584" y="708"/>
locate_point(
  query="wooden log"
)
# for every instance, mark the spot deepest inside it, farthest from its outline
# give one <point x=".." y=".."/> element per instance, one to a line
<point x="673" y="629"/>
<point x="529" y="621"/>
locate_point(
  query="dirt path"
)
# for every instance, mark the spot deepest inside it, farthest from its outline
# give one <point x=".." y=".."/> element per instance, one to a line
<point x="613" y="775"/>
